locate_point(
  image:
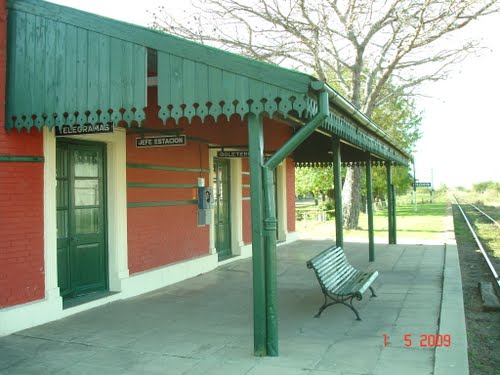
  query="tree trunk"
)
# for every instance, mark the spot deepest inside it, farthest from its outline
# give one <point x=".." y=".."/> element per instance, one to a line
<point x="351" y="197"/>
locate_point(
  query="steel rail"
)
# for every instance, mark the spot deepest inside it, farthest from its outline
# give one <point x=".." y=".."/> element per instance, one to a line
<point x="481" y="248"/>
<point x="485" y="214"/>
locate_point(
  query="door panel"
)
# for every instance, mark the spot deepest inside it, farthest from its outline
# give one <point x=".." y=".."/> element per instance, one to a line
<point x="87" y="268"/>
<point x="62" y="199"/>
<point x="63" y="269"/>
<point x="81" y="229"/>
<point x="222" y="211"/>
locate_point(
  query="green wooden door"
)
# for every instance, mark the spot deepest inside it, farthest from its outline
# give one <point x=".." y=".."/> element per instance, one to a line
<point x="222" y="216"/>
<point x="81" y="226"/>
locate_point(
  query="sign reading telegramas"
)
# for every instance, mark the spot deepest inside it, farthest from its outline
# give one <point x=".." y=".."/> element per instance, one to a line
<point x="99" y="128"/>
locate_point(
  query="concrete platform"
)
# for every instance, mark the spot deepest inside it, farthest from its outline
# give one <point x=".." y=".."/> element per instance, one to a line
<point x="204" y="325"/>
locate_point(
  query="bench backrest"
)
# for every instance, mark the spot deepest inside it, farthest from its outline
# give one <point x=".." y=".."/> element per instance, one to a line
<point x="332" y="268"/>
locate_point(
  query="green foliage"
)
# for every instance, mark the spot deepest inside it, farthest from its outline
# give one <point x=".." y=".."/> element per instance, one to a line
<point x="482" y="187"/>
<point x="397" y="115"/>
<point x="317" y="181"/>
<point x="400" y="118"/>
<point x="401" y="179"/>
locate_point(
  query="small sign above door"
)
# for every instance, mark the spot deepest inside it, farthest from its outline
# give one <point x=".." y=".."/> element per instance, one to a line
<point x="160" y="141"/>
<point x="232" y="154"/>
<point x="67" y="130"/>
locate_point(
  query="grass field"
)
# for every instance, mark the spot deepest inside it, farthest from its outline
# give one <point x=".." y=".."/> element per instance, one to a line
<point x="424" y="222"/>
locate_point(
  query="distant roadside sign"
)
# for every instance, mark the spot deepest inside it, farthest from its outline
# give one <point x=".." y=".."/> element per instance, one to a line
<point x="423" y="184"/>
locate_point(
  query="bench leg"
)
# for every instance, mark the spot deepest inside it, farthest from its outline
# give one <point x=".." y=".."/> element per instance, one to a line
<point x="373" y="292"/>
<point x="335" y="301"/>
<point x="352" y="307"/>
<point x="324" y="306"/>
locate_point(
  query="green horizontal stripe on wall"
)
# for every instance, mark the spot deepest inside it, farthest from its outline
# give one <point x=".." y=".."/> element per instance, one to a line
<point x="160" y="204"/>
<point x="166" y="168"/>
<point x="15" y="158"/>
<point x="245" y="185"/>
<point x="246" y="199"/>
<point x="160" y="186"/>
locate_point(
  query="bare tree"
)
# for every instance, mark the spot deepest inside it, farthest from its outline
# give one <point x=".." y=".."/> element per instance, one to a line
<point x="361" y="46"/>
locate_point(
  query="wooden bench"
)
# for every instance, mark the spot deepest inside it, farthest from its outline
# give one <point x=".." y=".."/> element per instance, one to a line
<point x="339" y="280"/>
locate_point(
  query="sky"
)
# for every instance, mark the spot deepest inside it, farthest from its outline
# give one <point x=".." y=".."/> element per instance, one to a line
<point x="461" y="127"/>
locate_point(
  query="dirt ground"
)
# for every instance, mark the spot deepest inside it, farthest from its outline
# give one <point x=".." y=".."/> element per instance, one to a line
<point x="483" y="327"/>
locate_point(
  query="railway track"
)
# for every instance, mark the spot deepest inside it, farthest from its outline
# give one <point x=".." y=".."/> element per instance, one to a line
<point x="483" y="227"/>
<point x="482" y="316"/>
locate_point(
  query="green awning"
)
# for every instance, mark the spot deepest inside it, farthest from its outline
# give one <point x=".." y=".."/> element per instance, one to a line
<point x="70" y="67"/>
<point x="60" y="73"/>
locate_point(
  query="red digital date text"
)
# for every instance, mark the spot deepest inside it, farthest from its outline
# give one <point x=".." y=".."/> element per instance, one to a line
<point x="426" y="340"/>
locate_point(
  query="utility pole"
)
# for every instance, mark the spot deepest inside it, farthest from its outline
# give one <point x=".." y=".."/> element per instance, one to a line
<point x="432" y="184"/>
<point x="414" y="186"/>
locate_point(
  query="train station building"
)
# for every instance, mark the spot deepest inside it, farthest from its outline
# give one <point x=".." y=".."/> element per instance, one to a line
<point x="131" y="159"/>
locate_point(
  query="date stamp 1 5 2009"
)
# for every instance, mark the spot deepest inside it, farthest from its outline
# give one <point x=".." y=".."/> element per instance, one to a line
<point x="425" y="341"/>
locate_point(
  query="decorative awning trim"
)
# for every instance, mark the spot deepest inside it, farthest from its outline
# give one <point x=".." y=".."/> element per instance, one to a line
<point x="339" y="126"/>
<point x="189" y="88"/>
<point x="228" y="107"/>
<point x="128" y="117"/>
<point x="378" y="163"/>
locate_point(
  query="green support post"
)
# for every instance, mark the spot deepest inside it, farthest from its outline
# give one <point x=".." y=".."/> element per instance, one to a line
<point x="270" y="220"/>
<point x="337" y="183"/>
<point x="256" y="158"/>
<point x="394" y="224"/>
<point x="270" y="224"/>
<point x="391" y="212"/>
<point x="369" y="204"/>
<point x="264" y="225"/>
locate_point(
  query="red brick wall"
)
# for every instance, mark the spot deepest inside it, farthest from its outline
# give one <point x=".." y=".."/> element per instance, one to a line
<point x="21" y="233"/>
<point x="161" y="235"/>
<point x="3" y="53"/>
<point x="164" y="234"/>
<point x="158" y="236"/>
<point x="21" y="206"/>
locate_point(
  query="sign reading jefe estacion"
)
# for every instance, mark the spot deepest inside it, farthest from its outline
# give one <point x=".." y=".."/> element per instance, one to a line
<point x="66" y="130"/>
<point x="161" y="141"/>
